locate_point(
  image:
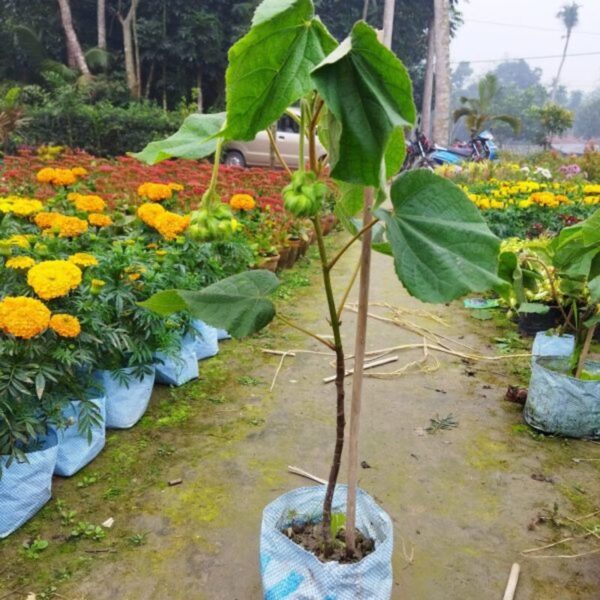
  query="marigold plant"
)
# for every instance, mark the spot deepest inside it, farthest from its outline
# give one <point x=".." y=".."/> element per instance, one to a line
<point x="23" y="317"/>
<point x="54" y="278"/>
<point x="66" y="326"/>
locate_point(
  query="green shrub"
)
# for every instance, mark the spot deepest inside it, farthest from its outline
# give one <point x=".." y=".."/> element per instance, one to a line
<point x="101" y="129"/>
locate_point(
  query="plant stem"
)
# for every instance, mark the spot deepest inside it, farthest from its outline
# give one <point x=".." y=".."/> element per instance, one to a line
<point x="349" y="243"/>
<point x="357" y="379"/>
<point x="347" y="290"/>
<point x="277" y="153"/>
<point x="211" y="192"/>
<point x="585" y="350"/>
<point x="301" y="163"/>
<point x="306" y="331"/>
<point x="340" y="372"/>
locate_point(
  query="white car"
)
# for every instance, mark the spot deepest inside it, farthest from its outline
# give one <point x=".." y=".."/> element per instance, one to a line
<point x="257" y="153"/>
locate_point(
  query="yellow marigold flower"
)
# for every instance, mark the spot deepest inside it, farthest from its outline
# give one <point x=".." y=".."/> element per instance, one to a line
<point x="242" y="202"/>
<point x="47" y="220"/>
<point x="170" y="225"/>
<point x="25" y="207"/>
<point x="155" y="191"/>
<point x="21" y="241"/>
<point x="79" y="171"/>
<point x="82" y="259"/>
<point x="56" y="176"/>
<point x="71" y="226"/>
<point x="45" y="175"/>
<point x="88" y="203"/>
<point x="134" y="276"/>
<point x="148" y="212"/>
<point x="591" y="188"/>
<point x="23" y="317"/>
<point x="54" y="278"/>
<point x="176" y="187"/>
<point x="20" y="262"/>
<point x="98" y="220"/>
<point x="65" y="325"/>
<point x="525" y="203"/>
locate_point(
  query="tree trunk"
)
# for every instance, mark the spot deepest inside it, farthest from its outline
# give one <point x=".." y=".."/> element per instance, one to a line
<point x="428" y="87"/>
<point x="560" y="66"/>
<point x="388" y="22"/>
<point x="101" y="23"/>
<point x="441" y="118"/>
<point x="129" y="50"/>
<point x="200" y="99"/>
<point x="365" y="13"/>
<point x="74" y="49"/>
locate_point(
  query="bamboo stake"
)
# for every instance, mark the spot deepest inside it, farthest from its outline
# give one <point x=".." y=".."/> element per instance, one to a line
<point x="303" y="473"/>
<point x="357" y="381"/>
<point x="513" y="579"/>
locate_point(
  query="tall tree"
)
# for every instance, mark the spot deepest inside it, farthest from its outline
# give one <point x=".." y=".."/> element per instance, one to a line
<point x="388" y="22"/>
<point x="569" y="15"/>
<point x="428" y="83"/>
<point x="101" y="20"/>
<point x="441" y="118"/>
<point x="73" y="47"/>
<point x="131" y="65"/>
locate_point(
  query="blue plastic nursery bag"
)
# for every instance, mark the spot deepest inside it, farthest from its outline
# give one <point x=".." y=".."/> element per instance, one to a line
<point x="74" y="449"/>
<point x="291" y="573"/>
<point x="127" y="402"/>
<point x="205" y="340"/>
<point x="179" y="369"/>
<point x="26" y="487"/>
<point x="546" y="344"/>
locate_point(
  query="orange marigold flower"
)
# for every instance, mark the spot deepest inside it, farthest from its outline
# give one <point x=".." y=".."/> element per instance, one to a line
<point x="148" y="212"/>
<point x="45" y="175"/>
<point x="47" y="220"/>
<point x="170" y="224"/>
<point x="155" y="191"/>
<point x="23" y="317"/>
<point x="71" y="226"/>
<point x="242" y="202"/>
<point x="98" y="220"/>
<point x="65" y="325"/>
<point x="79" y="171"/>
<point x="54" y="278"/>
<point x="88" y="202"/>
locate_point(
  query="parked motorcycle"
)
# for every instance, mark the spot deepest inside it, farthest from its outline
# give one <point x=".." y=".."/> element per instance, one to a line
<point x="418" y="150"/>
<point x="479" y="148"/>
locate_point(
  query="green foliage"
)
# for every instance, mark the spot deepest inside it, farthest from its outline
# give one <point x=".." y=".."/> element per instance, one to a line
<point x="441" y="245"/>
<point x="190" y="140"/>
<point x="477" y="111"/>
<point x="239" y="304"/>
<point x="101" y="129"/>
<point x="369" y="92"/>
<point x="338" y="522"/>
<point x="554" y="120"/>
<point x="86" y="530"/>
<point x="287" y="41"/>
<point x="33" y="548"/>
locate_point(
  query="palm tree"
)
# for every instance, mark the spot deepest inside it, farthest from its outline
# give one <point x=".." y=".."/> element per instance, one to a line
<point x="569" y="14"/>
<point x="476" y="111"/>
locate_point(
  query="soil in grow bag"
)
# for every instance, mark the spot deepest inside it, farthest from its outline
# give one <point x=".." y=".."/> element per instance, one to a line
<point x="532" y="323"/>
<point x="310" y="537"/>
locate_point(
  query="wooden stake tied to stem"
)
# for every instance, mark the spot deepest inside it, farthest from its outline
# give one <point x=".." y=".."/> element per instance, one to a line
<point x="357" y="379"/>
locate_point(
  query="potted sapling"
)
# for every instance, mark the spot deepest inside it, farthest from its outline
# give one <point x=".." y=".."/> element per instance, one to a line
<point x="333" y="540"/>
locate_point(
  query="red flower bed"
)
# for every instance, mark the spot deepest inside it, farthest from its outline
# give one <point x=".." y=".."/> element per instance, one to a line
<point x="117" y="180"/>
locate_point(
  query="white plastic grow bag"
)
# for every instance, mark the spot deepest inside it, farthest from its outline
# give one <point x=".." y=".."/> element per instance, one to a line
<point x="177" y="370"/>
<point x="546" y="344"/>
<point x="25" y="487"/>
<point x="291" y="573"/>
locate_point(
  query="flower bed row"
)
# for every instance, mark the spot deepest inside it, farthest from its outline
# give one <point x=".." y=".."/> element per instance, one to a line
<point x="78" y="351"/>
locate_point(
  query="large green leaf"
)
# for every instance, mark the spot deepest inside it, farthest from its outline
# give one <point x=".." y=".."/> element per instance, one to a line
<point x="239" y="303"/>
<point x="441" y="245"/>
<point x="369" y="92"/>
<point x="269" y="68"/>
<point x="194" y="139"/>
<point x="349" y="204"/>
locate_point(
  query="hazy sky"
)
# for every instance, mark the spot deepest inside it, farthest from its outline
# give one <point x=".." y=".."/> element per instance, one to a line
<point x="503" y="29"/>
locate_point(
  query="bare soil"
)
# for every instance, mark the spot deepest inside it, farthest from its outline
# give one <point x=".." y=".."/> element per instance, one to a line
<point x="466" y="500"/>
